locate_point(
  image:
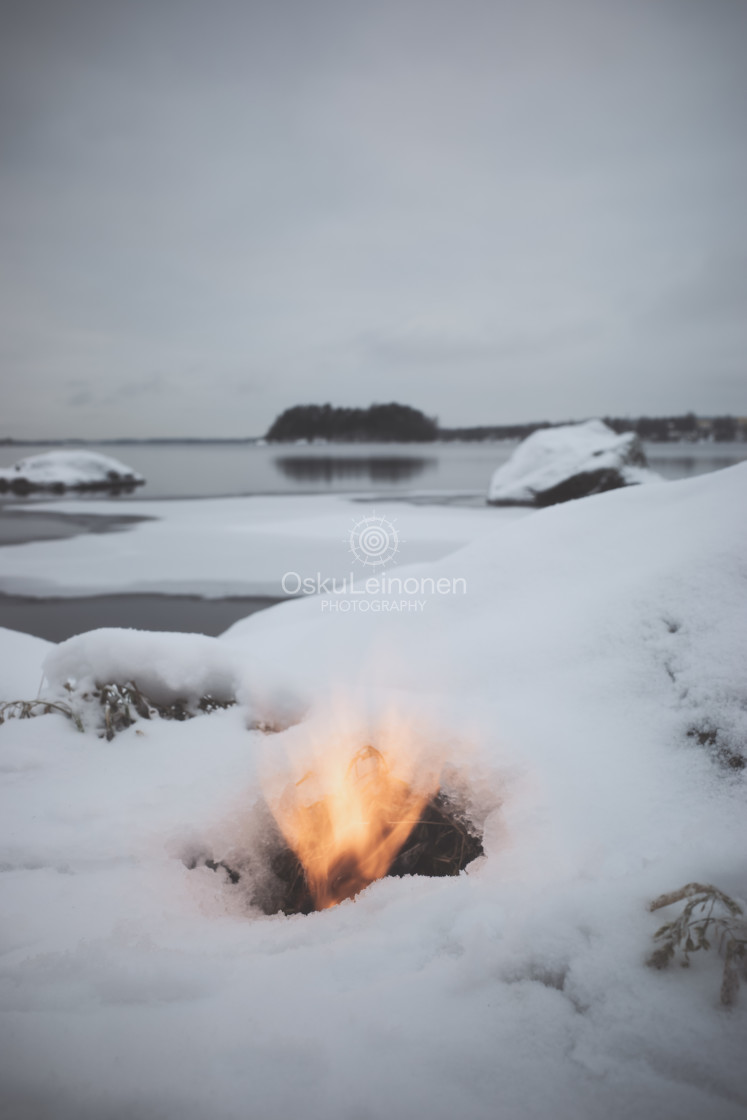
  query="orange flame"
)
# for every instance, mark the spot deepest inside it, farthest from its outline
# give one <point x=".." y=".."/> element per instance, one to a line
<point x="348" y="818"/>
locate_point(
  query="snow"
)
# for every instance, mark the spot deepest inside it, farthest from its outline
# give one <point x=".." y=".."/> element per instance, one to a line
<point x="74" y="470"/>
<point x="187" y="669"/>
<point x="227" y="546"/>
<point x="552" y="456"/>
<point x="559" y="691"/>
<point x="20" y="667"/>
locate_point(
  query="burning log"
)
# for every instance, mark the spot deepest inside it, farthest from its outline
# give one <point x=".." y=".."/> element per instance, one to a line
<point x="334" y="818"/>
<point x="347" y="820"/>
<point x="441" y="842"/>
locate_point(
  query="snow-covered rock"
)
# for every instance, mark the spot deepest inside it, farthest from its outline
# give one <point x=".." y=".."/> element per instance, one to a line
<point x="68" y="470"/>
<point x="559" y="464"/>
<point x="185" y="669"/>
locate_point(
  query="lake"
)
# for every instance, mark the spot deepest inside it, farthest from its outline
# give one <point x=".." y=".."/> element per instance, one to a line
<point x="451" y="473"/>
<point x="446" y="469"/>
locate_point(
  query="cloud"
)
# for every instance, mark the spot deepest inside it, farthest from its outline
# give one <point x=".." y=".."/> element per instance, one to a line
<point x="484" y="208"/>
<point x="80" y="396"/>
<point x="432" y="346"/>
<point x="715" y="295"/>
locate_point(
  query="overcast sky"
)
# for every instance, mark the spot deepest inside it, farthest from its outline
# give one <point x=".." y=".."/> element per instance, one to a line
<point x="494" y="211"/>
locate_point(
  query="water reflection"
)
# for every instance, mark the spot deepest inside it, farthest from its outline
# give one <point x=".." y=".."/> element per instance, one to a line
<point x="30" y="491"/>
<point x="334" y="468"/>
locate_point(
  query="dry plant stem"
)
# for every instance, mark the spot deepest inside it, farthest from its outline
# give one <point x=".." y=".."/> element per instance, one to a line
<point x="28" y="709"/>
<point x="121" y="705"/>
<point x="692" y="927"/>
<point x="693" y="889"/>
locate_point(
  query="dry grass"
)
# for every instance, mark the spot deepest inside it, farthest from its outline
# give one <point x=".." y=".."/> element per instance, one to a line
<point x="28" y="709"/>
<point x="121" y="705"/>
<point x="709" y="917"/>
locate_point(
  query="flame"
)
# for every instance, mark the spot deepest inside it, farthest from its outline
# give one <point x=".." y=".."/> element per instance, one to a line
<point x="350" y="814"/>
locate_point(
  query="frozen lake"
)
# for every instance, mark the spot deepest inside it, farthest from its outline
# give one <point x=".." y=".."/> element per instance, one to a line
<point x="219" y="469"/>
<point x="447" y="475"/>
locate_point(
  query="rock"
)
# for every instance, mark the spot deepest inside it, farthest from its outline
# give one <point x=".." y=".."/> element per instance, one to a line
<point x="68" y="470"/>
<point x="559" y="464"/>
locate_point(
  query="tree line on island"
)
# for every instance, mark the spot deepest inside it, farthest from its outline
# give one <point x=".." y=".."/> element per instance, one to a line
<point x="380" y="423"/>
<point x="400" y="423"/>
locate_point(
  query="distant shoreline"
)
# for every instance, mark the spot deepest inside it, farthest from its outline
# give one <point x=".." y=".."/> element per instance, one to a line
<point x="185" y="441"/>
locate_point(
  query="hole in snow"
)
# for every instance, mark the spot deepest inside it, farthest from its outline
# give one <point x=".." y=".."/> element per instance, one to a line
<point x="270" y="877"/>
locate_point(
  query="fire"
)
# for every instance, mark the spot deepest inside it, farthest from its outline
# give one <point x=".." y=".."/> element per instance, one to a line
<point x="349" y="815"/>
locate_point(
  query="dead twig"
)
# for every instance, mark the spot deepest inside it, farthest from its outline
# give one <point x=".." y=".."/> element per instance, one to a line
<point x="708" y="911"/>
<point x="28" y="709"/>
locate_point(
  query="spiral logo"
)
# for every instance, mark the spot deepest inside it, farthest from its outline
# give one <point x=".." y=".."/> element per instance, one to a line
<point x="373" y="540"/>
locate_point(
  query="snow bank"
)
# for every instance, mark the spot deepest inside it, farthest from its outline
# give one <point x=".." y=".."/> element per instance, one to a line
<point x="559" y="464"/>
<point x="561" y="690"/>
<point x="68" y="470"/>
<point x="166" y="666"/>
<point x="22" y="654"/>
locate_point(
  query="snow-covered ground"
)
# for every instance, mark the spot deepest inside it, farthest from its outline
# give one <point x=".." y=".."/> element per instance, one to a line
<point x="227" y="546"/>
<point x="559" y="689"/>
